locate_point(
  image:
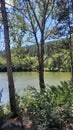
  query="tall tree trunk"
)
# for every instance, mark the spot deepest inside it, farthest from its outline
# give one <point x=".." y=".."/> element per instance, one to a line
<point x="70" y="41"/>
<point x="71" y="58"/>
<point x="8" y="57"/>
<point x="41" y="68"/>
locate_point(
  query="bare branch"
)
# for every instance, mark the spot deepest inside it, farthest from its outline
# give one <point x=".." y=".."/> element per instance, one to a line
<point x="50" y="10"/>
<point x="34" y="14"/>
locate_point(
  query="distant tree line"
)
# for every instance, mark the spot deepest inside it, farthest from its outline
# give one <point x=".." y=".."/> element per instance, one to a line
<point x="56" y="57"/>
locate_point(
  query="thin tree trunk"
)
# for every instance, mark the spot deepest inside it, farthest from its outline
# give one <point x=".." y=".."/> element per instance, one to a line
<point x="8" y="57"/>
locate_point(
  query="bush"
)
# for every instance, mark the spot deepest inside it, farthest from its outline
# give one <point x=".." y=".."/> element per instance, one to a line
<point x="53" y="108"/>
<point x="3" y="67"/>
<point x="5" y="114"/>
<point x="59" y="62"/>
<point x="1" y="116"/>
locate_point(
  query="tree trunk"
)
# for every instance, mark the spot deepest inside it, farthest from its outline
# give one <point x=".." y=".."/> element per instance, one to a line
<point x="41" y="78"/>
<point x="71" y="59"/>
<point x="41" y="68"/>
<point x="8" y="57"/>
<point x="70" y="42"/>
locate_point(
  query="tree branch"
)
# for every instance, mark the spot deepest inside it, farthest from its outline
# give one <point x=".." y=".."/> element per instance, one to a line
<point x="34" y="14"/>
<point x="50" y="10"/>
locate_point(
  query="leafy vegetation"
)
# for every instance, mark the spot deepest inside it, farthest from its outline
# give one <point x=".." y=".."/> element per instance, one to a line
<point x="5" y="114"/>
<point x="57" y="54"/>
<point x="3" y="64"/>
<point x="53" y="108"/>
<point x="59" y="62"/>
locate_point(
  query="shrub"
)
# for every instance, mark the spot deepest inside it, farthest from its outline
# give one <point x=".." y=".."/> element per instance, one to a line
<point x="5" y="114"/>
<point x="53" y="108"/>
<point x="1" y="115"/>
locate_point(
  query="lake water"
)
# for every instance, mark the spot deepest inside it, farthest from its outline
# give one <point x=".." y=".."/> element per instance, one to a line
<point x="24" y="79"/>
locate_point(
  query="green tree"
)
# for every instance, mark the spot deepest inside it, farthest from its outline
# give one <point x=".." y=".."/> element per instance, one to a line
<point x="64" y="18"/>
<point x="8" y="57"/>
<point x="37" y="16"/>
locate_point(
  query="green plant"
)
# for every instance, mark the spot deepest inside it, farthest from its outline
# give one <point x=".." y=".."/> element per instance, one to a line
<point x="1" y="115"/>
<point x="5" y="113"/>
<point x="53" y="108"/>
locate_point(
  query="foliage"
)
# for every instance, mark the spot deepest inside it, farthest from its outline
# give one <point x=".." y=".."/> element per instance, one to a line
<point x="1" y="115"/>
<point x="26" y="64"/>
<point x="64" y="19"/>
<point x="25" y="59"/>
<point x="2" y="64"/>
<point x="63" y="15"/>
<point x="53" y="108"/>
<point x="5" y="114"/>
<point x="59" y="62"/>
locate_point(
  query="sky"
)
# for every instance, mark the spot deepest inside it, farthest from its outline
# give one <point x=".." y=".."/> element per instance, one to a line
<point x="9" y="2"/>
<point x="1" y="33"/>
